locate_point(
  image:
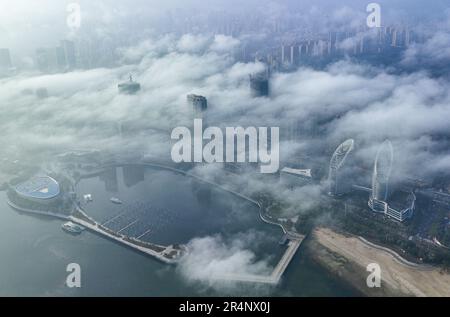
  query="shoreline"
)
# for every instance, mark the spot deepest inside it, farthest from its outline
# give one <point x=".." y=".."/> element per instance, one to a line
<point x="347" y="257"/>
<point x="96" y="230"/>
<point x="161" y="255"/>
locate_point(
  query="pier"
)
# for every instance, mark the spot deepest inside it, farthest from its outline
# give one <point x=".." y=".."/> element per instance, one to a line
<point x="166" y="254"/>
<point x="275" y="277"/>
<point x="171" y="254"/>
<point x="293" y="239"/>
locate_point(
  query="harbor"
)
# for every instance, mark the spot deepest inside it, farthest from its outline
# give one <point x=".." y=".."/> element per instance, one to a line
<point x="143" y="225"/>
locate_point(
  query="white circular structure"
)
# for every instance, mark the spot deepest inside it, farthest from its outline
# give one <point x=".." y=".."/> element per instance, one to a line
<point x="38" y="188"/>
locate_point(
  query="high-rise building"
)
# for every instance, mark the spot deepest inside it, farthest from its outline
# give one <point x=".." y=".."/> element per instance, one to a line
<point x="56" y="59"/>
<point x="395" y="38"/>
<point x="399" y="204"/>
<point x="85" y="56"/>
<point x="293" y="130"/>
<point x="41" y="93"/>
<point x="336" y="163"/>
<point x="130" y="87"/>
<point x="68" y="50"/>
<point x="292" y="59"/>
<point x="47" y="59"/>
<point x="198" y="103"/>
<point x="283" y="53"/>
<point x="5" y="59"/>
<point x="259" y="85"/>
<point x="382" y="171"/>
<point x="60" y="58"/>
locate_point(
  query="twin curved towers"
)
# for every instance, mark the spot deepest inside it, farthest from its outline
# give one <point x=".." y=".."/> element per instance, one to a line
<point x="399" y="206"/>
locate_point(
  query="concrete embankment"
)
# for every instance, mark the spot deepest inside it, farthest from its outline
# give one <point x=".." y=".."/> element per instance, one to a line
<point x="95" y="228"/>
<point x="38" y="212"/>
<point x="148" y="251"/>
<point x="347" y="257"/>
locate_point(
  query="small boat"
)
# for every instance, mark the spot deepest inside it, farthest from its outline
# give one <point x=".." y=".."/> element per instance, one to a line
<point x="72" y="228"/>
<point x="116" y="201"/>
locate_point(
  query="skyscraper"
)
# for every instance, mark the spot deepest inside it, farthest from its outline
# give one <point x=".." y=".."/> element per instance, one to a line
<point x="130" y="87"/>
<point x="5" y="59"/>
<point x="68" y="49"/>
<point x="259" y="85"/>
<point x="198" y="103"/>
<point x="400" y="204"/>
<point x="382" y="171"/>
<point x="55" y="59"/>
<point x="46" y="60"/>
<point x="336" y="163"/>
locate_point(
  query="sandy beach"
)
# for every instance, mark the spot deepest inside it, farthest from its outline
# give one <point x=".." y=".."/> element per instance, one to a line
<point x="348" y="257"/>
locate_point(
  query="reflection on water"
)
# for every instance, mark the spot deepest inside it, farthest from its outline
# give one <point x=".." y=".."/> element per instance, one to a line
<point x="165" y="207"/>
<point x="35" y="251"/>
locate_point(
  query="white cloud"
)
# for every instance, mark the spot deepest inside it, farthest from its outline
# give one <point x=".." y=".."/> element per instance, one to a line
<point x="223" y="43"/>
<point x="345" y="100"/>
<point x="192" y="43"/>
<point x="211" y="259"/>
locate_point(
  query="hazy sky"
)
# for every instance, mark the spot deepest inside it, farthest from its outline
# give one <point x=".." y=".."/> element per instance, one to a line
<point x="370" y="103"/>
<point x="25" y="25"/>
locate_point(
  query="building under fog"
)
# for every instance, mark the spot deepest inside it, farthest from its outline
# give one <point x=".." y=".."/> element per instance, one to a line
<point x="6" y="65"/>
<point x="56" y="59"/>
<point x="199" y="104"/>
<point x="68" y="55"/>
<point x="130" y="87"/>
<point x="41" y="93"/>
<point x="5" y="59"/>
<point x="336" y="175"/>
<point x="292" y="177"/>
<point x="397" y="204"/>
<point x="382" y="172"/>
<point x="259" y="85"/>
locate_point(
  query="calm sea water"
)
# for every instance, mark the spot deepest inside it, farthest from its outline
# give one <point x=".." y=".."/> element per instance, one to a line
<point x="34" y="251"/>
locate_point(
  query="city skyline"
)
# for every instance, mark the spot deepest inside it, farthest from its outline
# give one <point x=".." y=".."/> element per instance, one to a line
<point x="351" y="118"/>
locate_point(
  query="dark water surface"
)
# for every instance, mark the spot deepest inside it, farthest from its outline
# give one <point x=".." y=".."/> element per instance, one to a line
<point x="161" y="207"/>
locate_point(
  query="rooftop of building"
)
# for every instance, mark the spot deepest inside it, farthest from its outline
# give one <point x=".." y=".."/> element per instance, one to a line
<point x="297" y="172"/>
<point x="39" y="187"/>
<point x="194" y="97"/>
<point x="130" y="86"/>
<point x="401" y="199"/>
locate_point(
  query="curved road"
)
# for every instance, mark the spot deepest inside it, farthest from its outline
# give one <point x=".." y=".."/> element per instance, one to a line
<point x="397" y="257"/>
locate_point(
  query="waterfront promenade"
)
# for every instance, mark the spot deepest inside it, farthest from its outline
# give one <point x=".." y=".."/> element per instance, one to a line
<point x="168" y="254"/>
